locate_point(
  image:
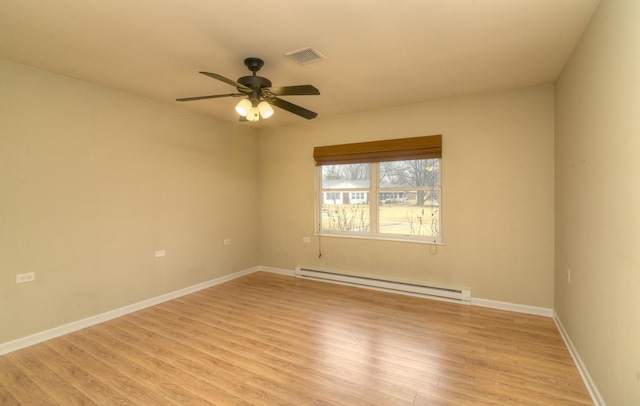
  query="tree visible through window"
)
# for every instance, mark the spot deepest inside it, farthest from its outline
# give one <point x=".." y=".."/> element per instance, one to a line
<point x="409" y="202"/>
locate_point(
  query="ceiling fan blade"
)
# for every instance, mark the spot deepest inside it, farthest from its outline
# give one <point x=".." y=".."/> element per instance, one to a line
<point x="292" y="108"/>
<point x="215" y="96"/>
<point x="301" y="90"/>
<point x="225" y="80"/>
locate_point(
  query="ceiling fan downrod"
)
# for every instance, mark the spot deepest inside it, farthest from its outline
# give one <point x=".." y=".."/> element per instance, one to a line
<point x="254" y="82"/>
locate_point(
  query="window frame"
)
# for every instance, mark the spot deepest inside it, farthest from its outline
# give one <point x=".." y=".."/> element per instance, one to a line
<point x="373" y="153"/>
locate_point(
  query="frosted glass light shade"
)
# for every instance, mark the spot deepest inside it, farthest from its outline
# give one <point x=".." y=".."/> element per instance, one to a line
<point x="244" y="107"/>
<point x="253" y="114"/>
<point x="265" y="109"/>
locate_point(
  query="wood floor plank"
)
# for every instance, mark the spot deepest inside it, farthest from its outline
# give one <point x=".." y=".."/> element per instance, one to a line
<point x="60" y="390"/>
<point x="166" y="355"/>
<point x="7" y="399"/>
<point x="6" y="379"/>
<point x="133" y="391"/>
<point x="234" y="364"/>
<point x="174" y="382"/>
<point x="254" y="363"/>
<point x="267" y="339"/>
<point x="74" y="374"/>
<point x="21" y="386"/>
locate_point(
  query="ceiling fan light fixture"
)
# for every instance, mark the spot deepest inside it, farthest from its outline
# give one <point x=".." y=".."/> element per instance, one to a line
<point x="244" y="107"/>
<point x="265" y="109"/>
<point x="253" y="114"/>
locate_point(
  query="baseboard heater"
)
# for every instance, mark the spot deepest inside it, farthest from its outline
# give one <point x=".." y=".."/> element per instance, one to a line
<point x="407" y="288"/>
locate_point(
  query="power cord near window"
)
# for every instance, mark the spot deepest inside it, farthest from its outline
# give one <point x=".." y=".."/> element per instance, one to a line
<point x="320" y="240"/>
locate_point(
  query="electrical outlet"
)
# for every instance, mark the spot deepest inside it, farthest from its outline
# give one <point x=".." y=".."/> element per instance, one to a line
<point x="161" y="253"/>
<point x="306" y="240"/>
<point x="227" y="241"/>
<point x="25" y="277"/>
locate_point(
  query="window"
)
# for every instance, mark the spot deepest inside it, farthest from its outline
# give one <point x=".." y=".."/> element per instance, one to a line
<point x="382" y="190"/>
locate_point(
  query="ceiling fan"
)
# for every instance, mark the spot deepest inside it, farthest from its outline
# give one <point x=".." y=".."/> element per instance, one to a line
<point x="260" y="95"/>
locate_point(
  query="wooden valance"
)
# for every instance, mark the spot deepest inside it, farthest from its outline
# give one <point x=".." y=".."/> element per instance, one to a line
<point x="380" y="151"/>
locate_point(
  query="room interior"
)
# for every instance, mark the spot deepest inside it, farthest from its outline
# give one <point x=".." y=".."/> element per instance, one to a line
<point x="536" y="101"/>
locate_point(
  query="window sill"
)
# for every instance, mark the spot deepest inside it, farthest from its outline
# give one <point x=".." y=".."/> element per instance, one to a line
<point x="378" y="238"/>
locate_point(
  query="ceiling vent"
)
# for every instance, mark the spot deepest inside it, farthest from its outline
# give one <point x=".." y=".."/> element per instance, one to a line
<point x="306" y="55"/>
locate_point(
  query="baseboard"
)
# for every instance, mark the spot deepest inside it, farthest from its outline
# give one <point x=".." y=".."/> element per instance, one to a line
<point x="512" y="307"/>
<point x="584" y="373"/>
<point x="24" y="342"/>
<point x="279" y="271"/>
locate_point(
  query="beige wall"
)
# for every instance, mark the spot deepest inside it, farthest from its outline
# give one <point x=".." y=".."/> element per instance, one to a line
<point x="94" y="181"/>
<point x="497" y="195"/>
<point x="598" y="200"/>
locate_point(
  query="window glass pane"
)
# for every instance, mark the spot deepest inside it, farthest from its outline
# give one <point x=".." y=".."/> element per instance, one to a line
<point x="345" y="197"/>
<point x="418" y="173"/>
<point x="408" y="211"/>
<point x="400" y="213"/>
<point x="346" y="214"/>
<point x="349" y="176"/>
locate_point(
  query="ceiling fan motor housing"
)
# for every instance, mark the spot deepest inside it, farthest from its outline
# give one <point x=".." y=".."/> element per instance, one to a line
<point x="254" y="82"/>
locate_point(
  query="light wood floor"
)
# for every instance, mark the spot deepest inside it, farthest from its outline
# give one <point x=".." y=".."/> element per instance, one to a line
<point x="268" y="339"/>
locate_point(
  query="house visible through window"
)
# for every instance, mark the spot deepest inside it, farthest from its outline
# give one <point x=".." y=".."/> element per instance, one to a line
<point x="372" y="190"/>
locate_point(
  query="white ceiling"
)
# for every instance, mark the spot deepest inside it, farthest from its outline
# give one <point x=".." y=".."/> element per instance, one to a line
<point x="378" y="53"/>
